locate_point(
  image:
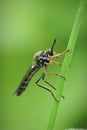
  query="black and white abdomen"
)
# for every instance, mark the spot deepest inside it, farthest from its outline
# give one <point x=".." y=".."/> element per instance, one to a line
<point x="42" y="58"/>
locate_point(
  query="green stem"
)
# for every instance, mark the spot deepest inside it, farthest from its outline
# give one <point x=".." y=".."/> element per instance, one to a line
<point x="67" y="60"/>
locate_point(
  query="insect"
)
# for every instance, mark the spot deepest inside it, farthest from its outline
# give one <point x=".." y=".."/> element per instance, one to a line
<point x="41" y="59"/>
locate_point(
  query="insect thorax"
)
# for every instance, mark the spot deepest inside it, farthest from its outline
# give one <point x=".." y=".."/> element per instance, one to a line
<point x="42" y="58"/>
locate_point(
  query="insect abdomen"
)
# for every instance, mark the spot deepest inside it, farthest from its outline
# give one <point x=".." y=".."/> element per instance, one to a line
<point x="22" y="86"/>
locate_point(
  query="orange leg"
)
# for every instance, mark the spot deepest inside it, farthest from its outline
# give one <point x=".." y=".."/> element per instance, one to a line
<point x="55" y="62"/>
<point x="60" y="54"/>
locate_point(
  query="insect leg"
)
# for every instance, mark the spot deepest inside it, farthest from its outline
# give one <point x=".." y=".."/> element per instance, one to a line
<point x="56" y="74"/>
<point x="49" y="91"/>
<point x="60" y="54"/>
<point x="55" y="62"/>
<point x="44" y="87"/>
<point x="49" y="84"/>
<point x="43" y="78"/>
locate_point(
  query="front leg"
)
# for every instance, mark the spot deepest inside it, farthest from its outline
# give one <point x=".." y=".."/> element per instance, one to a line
<point x="60" y="54"/>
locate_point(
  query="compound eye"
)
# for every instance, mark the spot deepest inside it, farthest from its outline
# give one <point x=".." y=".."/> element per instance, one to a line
<point x="37" y="55"/>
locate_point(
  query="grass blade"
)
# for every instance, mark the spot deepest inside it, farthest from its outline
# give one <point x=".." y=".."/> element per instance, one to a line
<point x="67" y="60"/>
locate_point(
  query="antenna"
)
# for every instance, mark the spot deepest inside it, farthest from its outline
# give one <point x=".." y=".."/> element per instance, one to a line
<point x="50" y="50"/>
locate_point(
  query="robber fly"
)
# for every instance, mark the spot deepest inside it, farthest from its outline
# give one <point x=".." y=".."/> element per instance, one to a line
<point x="41" y="59"/>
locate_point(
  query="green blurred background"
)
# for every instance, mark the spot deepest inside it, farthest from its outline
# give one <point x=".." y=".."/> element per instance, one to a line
<point x="27" y="26"/>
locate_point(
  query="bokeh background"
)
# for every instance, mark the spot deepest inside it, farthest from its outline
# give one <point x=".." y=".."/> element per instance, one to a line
<point x="27" y="26"/>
